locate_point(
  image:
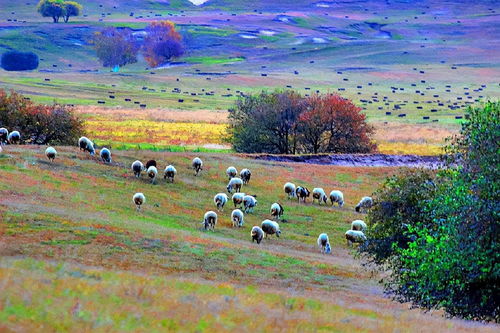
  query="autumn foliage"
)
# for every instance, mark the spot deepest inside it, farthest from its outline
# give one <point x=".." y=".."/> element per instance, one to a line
<point x="162" y="43"/>
<point x="39" y="124"/>
<point x="284" y="122"/>
<point x="115" y="47"/>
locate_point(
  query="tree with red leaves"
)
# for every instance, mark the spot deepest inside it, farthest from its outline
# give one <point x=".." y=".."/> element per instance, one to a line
<point x="333" y="124"/>
<point x="162" y="43"/>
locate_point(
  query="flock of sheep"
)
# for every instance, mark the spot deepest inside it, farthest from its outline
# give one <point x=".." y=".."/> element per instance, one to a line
<point x="243" y="203"/>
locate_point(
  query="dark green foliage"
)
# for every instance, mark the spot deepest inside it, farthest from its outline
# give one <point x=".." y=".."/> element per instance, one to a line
<point x="449" y="257"/>
<point x="39" y="124"/>
<point x="19" y="61"/>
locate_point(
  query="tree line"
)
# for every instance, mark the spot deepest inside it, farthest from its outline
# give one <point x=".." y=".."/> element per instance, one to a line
<point x="284" y="122"/>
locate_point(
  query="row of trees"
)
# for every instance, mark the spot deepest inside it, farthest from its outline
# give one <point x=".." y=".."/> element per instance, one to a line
<point x="284" y="122"/>
<point x="117" y="47"/>
<point x="436" y="232"/>
<point x="39" y="124"/>
<point x="59" y="8"/>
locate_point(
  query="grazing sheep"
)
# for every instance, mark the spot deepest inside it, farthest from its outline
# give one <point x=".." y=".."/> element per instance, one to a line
<point x="320" y="195"/>
<point x="151" y="163"/>
<point x="270" y="228"/>
<point x="358" y="225"/>
<point x="337" y="197"/>
<point x="249" y="202"/>
<point x="139" y="199"/>
<point x="137" y="168"/>
<point x="245" y="175"/>
<point x="257" y="234"/>
<point x="324" y="243"/>
<point x="14" y="137"/>
<point x="197" y="165"/>
<point x="220" y="200"/>
<point x="289" y="190"/>
<point x="354" y="236"/>
<point x="210" y="220"/>
<point x="235" y="183"/>
<point x="152" y="173"/>
<point x="51" y="153"/>
<point x="237" y="218"/>
<point x="364" y="204"/>
<point x="170" y="173"/>
<point x="238" y="198"/>
<point x="4" y="134"/>
<point x="86" y="145"/>
<point x="277" y="210"/>
<point x="105" y="155"/>
<point x="231" y="172"/>
<point x="302" y="193"/>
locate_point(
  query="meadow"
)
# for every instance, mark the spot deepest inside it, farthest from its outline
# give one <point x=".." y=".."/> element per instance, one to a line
<point x="76" y="255"/>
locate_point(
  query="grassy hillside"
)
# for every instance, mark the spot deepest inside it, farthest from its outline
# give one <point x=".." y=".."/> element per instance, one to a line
<point x="76" y="255"/>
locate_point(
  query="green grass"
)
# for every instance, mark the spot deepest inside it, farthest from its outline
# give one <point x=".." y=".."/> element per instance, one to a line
<point x="212" y="60"/>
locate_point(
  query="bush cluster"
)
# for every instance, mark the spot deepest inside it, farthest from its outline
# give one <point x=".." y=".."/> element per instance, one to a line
<point x="436" y="233"/>
<point x="284" y="122"/>
<point x="19" y="61"/>
<point x="39" y="124"/>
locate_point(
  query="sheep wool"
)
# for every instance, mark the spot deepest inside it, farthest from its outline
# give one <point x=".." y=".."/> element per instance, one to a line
<point x="220" y="200"/>
<point x="105" y="155"/>
<point x="170" y="173"/>
<point x="319" y="194"/>
<point x="51" y="153"/>
<point x="137" y="168"/>
<point x="197" y="165"/>
<point x="324" y="243"/>
<point x="231" y="172"/>
<point x="257" y="234"/>
<point x="139" y="199"/>
<point x="234" y="183"/>
<point x="289" y="189"/>
<point x="237" y="218"/>
<point x="270" y="228"/>
<point x="210" y="220"/>
<point x="337" y="197"/>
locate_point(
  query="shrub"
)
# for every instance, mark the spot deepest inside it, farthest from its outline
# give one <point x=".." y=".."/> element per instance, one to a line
<point x="115" y="47"/>
<point x="283" y="122"/>
<point x="449" y="256"/>
<point x="39" y="124"/>
<point x="162" y="43"/>
<point x="19" y="61"/>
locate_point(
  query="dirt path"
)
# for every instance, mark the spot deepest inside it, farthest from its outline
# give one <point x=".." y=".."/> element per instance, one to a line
<point x="371" y="160"/>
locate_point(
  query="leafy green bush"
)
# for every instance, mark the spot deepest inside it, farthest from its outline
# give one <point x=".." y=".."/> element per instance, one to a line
<point x="447" y="254"/>
<point x="19" y="61"/>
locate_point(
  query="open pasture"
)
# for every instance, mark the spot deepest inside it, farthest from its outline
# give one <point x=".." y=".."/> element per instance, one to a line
<point x="407" y="64"/>
<point x="76" y="255"/>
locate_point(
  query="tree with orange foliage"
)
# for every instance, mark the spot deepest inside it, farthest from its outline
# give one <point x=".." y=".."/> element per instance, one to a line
<point x="333" y="124"/>
<point x="162" y="43"/>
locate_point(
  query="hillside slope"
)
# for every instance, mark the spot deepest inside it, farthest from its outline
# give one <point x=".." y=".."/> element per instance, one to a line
<point x="76" y="255"/>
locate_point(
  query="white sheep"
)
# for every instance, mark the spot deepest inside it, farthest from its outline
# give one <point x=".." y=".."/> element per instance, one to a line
<point x="364" y="204"/>
<point x="234" y="183"/>
<point x="4" y="135"/>
<point x="170" y="173"/>
<point x="358" y="225"/>
<point x="51" y="153"/>
<point x="249" y="202"/>
<point x="319" y="194"/>
<point x="337" y="197"/>
<point x="302" y="193"/>
<point x="197" y="165"/>
<point x="139" y="199"/>
<point x="220" y="200"/>
<point x="14" y="137"/>
<point x="289" y="190"/>
<point x="210" y="220"/>
<point x="152" y="173"/>
<point x="231" y="172"/>
<point x="105" y="155"/>
<point x="238" y="199"/>
<point x="270" y="228"/>
<point x="245" y="175"/>
<point x="137" y="168"/>
<point x="277" y="210"/>
<point x="237" y="218"/>
<point x="86" y="145"/>
<point x="257" y="234"/>
<point x="354" y="236"/>
<point x="324" y="243"/>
